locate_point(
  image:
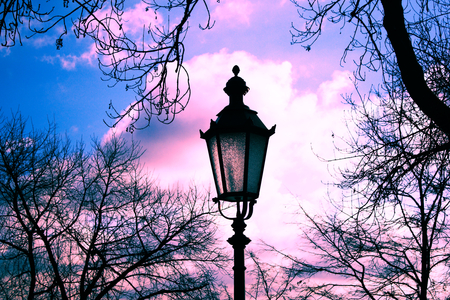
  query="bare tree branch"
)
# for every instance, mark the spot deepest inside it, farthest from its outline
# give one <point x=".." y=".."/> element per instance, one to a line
<point x="148" y="61"/>
<point x="76" y="225"/>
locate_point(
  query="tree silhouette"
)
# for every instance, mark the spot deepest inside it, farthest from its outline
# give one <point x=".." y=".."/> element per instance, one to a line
<point x="148" y="62"/>
<point x="77" y="225"/>
<point x="407" y="41"/>
<point x="387" y="238"/>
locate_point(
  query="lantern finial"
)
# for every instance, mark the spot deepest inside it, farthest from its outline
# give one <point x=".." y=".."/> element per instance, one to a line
<point x="236" y="70"/>
<point x="236" y="88"/>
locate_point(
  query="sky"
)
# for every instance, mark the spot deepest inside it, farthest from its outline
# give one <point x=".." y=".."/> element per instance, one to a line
<point x="299" y="91"/>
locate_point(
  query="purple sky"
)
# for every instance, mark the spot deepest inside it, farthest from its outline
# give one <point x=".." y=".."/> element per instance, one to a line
<point x="299" y="91"/>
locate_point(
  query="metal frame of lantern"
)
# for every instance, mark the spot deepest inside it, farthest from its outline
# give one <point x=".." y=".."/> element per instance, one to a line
<point x="237" y="145"/>
<point x="251" y="135"/>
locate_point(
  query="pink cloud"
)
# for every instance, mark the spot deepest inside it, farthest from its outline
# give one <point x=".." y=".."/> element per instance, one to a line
<point x="305" y="122"/>
<point x="139" y="18"/>
<point x="330" y="90"/>
<point x="234" y="12"/>
<point x="90" y="56"/>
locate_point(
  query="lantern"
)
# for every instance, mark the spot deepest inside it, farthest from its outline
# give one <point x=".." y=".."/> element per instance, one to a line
<point x="237" y="145"/>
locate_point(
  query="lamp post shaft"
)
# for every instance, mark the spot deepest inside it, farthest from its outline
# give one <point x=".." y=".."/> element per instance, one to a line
<point x="237" y="146"/>
<point x="239" y="241"/>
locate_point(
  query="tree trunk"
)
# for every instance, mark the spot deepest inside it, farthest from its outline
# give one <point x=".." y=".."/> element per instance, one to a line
<point x="411" y="72"/>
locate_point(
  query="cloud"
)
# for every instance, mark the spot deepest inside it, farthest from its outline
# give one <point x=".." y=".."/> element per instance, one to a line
<point x="136" y="20"/>
<point x="305" y="122"/>
<point x="43" y="40"/>
<point x="234" y="12"/>
<point x="70" y="62"/>
<point x="331" y="90"/>
<point x="5" y="51"/>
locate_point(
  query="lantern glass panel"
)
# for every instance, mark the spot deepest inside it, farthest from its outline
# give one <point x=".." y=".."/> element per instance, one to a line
<point x="215" y="163"/>
<point x="233" y="155"/>
<point x="257" y="150"/>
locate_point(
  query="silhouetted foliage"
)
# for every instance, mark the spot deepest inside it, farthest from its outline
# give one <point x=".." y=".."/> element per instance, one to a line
<point x="387" y="238"/>
<point x="148" y="60"/>
<point x="77" y="225"/>
<point x="270" y="280"/>
<point x="407" y="40"/>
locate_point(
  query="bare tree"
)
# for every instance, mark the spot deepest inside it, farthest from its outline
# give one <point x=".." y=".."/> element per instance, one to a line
<point x="149" y="62"/>
<point x="93" y="226"/>
<point x="407" y="40"/>
<point x="270" y="280"/>
<point x="388" y="237"/>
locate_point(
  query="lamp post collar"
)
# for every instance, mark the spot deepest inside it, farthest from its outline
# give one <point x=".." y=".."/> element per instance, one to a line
<point x="236" y="88"/>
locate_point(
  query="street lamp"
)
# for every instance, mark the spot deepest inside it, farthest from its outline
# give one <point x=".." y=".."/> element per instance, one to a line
<point x="237" y="145"/>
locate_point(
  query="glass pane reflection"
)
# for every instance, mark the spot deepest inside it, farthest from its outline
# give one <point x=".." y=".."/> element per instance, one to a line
<point x="256" y="160"/>
<point x="214" y="154"/>
<point x="233" y="155"/>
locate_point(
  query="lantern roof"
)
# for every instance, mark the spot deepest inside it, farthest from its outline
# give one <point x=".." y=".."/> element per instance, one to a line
<point x="237" y="116"/>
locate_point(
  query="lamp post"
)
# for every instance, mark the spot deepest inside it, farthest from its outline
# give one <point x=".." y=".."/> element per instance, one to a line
<point x="237" y="145"/>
